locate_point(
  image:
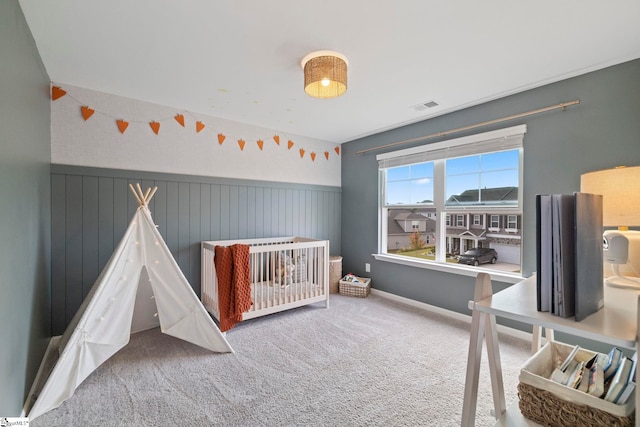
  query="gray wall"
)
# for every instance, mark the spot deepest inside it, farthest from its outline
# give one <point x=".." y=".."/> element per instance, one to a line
<point x="91" y="208"/>
<point x="603" y="131"/>
<point x="25" y="155"/>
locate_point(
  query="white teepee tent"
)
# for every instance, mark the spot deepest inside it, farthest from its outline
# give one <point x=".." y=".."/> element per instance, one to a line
<point x="140" y="287"/>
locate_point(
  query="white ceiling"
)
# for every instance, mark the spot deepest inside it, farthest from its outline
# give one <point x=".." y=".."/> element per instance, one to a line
<point x="240" y="59"/>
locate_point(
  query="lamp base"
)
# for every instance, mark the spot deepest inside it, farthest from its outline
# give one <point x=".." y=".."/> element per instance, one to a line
<point x="624" y="282"/>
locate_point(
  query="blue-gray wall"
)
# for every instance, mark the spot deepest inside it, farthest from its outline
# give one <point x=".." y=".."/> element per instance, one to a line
<point x="91" y="208"/>
<point x="25" y="154"/>
<point x="603" y="131"/>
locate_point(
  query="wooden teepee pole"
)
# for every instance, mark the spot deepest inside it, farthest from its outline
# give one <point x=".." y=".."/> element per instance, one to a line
<point x="142" y="198"/>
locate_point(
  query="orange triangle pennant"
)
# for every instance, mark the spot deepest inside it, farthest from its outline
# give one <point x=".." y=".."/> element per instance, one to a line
<point x="155" y="126"/>
<point x="180" y="119"/>
<point x="313" y="156"/>
<point x="290" y="144"/>
<point x="260" y="144"/>
<point x="301" y="152"/>
<point x="241" y="144"/>
<point x="337" y="150"/>
<point x="199" y="126"/>
<point x="276" y="138"/>
<point x="86" y="112"/>
<point x="122" y="125"/>
<point x="221" y="138"/>
<point x="326" y="155"/>
<point x="57" y="92"/>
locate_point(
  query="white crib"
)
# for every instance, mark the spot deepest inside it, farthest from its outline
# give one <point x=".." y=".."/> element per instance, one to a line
<point x="286" y="272"/>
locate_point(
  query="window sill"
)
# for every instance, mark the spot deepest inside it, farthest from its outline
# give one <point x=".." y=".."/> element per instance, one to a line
<point x="463" y="270"/>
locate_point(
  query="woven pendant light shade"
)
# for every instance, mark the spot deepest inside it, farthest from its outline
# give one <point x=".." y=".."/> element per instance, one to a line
<point x="325" y="74"/>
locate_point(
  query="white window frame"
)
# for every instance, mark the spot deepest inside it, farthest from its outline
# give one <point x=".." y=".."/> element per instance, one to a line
<point x="498" y="140"/>
<point x="512" y="226"/>
<point x="476" y="219"/>
<point x="493" y="227"/>
<point x="459" y="220"/>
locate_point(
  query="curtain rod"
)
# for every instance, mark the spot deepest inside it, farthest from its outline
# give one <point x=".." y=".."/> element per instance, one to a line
<point x="562" y="105"/>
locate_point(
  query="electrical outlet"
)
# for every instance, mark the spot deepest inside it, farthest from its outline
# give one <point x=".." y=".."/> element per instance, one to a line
<point x="367" y="267"/>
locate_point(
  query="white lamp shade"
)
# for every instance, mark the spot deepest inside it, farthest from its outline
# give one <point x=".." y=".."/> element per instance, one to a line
<point x="620" y="190"/>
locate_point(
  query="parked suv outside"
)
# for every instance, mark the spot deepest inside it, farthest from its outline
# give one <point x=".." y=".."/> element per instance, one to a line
<point x="477" y="256"/>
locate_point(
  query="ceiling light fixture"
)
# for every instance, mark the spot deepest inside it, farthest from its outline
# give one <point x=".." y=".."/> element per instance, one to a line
<point x="325" y="74"/>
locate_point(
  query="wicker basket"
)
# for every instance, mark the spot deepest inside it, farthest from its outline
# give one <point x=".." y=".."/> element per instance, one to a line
<point x="552" y="404"/>
<point x="360" y="290"/>
<point x="548" y="409"/>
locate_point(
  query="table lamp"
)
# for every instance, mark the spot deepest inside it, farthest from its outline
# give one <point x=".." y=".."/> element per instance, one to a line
<point x="620" y="190"/>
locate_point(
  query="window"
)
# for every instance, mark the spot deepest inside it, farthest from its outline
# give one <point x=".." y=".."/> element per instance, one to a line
<point x="444" y="185"/>
<point x="495" y="222"/>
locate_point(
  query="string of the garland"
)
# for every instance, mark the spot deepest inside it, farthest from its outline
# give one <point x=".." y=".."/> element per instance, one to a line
<point x="87" y="112"/>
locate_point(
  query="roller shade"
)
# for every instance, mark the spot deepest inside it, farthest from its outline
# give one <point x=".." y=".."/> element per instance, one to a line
<point x="499" y="140"/>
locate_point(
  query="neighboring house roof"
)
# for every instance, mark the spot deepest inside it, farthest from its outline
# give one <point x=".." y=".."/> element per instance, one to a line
<point x="410" y="215"/>
<point x="488" y="195"/>
<point x="472" y="232"/>
<point x="393" y="227"/>
<point x="396" y="215"/>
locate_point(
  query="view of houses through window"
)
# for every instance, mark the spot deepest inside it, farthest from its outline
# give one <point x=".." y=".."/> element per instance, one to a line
<point x="469" y="231"/>
<point x="469" y="201"/>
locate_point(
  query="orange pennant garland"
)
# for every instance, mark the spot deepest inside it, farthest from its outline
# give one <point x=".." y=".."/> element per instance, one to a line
<point x="86" y="112"/>
<point x="122" y="125"/>
<point x="155" y="126"/>
<point x="57" y="92"/>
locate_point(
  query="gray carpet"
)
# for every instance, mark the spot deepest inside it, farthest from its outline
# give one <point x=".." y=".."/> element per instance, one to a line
<point x="362" y="362"/>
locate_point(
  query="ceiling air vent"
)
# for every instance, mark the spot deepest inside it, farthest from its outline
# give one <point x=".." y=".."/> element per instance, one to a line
<point x="425" y="105"/>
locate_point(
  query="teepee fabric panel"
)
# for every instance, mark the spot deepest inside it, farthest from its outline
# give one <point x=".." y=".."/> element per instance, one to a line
<point x="103" y="323"/>
<point x="98" y="330"/>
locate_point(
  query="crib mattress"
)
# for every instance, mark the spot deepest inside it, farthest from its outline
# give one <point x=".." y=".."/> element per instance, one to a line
<point x="267" y="291"/>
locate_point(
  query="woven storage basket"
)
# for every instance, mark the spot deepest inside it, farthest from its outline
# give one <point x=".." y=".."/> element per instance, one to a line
<point x="552" y="404"/>
<point x="360" y="290"/>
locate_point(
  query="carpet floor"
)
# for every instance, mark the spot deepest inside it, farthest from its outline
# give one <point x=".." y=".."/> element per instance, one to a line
<point x="362" y="362"/>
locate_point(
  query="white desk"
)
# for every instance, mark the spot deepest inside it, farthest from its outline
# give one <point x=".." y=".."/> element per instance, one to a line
<point x="615" y="324"/>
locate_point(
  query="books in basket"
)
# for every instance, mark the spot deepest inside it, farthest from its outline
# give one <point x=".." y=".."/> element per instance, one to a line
<point x="354" y="280"/>
<point x="608" y="376"/>
<point x="620" y="380"/>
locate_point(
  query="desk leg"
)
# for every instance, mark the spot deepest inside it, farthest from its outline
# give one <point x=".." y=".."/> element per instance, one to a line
<point x="482" y="324"/>
<point x="536" y="338"/>
<point x="536" y="341"/>
<point x="637" y="332"/>
<point x="495" y="365"/>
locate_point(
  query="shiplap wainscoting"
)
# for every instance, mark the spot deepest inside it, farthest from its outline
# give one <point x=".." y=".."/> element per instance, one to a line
<point x="92" y="207"/>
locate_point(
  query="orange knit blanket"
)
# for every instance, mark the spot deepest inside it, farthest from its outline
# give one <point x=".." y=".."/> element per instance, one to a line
<point x="234" y="283"/>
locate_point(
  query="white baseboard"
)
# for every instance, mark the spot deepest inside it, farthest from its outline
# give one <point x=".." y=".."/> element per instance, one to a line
<point x="516" y="333"/>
